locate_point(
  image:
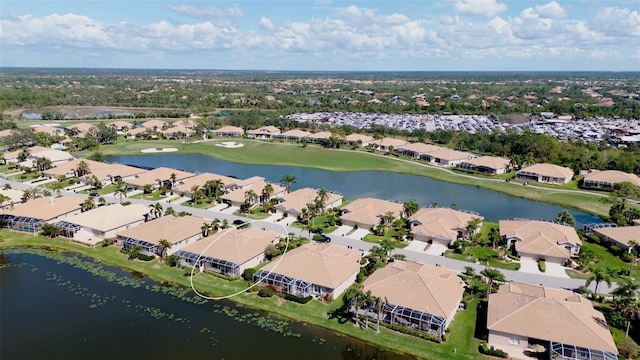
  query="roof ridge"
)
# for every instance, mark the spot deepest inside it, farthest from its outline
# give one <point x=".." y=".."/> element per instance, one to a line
<point x="435" y="298"/>
<point x="325" y="267"/>
<point x="565" y="306"/>
<point x="517" y="310"/>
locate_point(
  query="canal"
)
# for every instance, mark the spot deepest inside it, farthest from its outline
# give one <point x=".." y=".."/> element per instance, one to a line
<point x="383" y="185"/>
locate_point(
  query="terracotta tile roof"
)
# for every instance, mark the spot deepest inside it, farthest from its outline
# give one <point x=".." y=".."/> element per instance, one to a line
<point x="429" y="289"/>
<point x="70" y="166"/>
<point x="185" y="185"/>
<point x="491" y="162"/>
<point x="161" y="173"/>
<point x="443" y="223"/>
<point x="109" y="217"/>
<point x="548" y="314"/>
<point x="612" y="176"/>
<point x="623" y="234"/>
<point x="237" y="246"/>
<point x="295" y="201"/>
<point x="549" y="170"/>
<point x="45" y="208"/>
<point x="322" y="264"/>
<point x="370" y="210"/>
<point x="172" y="228"/>
<point x="540" y="237"/>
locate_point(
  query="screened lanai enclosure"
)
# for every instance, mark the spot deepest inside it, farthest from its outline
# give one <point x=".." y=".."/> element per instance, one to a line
<point x="407" y="317"/>
<point x="68" y="229"/>
<point x="561" y="351"/>
<point x="20" y="223"/>
<point x="282" y="283"/>
<point x="128" y="243"/>
<point x="224" y="267"/>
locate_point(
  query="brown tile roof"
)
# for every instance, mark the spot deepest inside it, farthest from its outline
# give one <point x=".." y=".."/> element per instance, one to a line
<point x="322" y="135"/>
<point x="387" y="141"/>
<point x="612" y="176"/>
<point x="112" y="170"/>
<point x="154" y="123"/>
<point x="45" y="208"/>
<point x="184" y="122"/>
<point x="295" y="201"/>
<point x="429" y="289"/>
<point x="237" y="246"/>
<point x="230" y="130"/>
<point x="257" y="187"/>
<point x="491" y="162"/>
<point x="121" y="124"/>
<point x="185" y="185"/>
<point x="548" y="314"/>
<point x="271" y="130"/>
<point x="83" y="127"/>
<point x="48" y="129"/>
<point x="109" y="217"/>
<point x="420" y="148"/>
<point x="356" y="137"/>
<point x="295" y="133"/>
<point x="540" y="237"/>
<point x="623" y="234"/>
<point x="450" y="154"/>
<point x="70" y="166"/>
<point x="53" y="155"/>
<point x="370" y="210"/>
<point x="550" y="170"/>
<point x="172" y="228"/>
<point x="10" y="155"/>
<point x="161" y="173"/>
<point x="322" y="264"/>
<point x="441" y="223"/>
<point x="178" y="129"/>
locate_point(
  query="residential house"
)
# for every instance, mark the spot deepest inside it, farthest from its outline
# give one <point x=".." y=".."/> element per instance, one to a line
<point x="53" y="131"/>
<point x="30" y="216"/>
<point x="522" y="317"/>
<point x="142" y="132"/>
<point x="415" y="295"/>
<point x="319" y="137"/>
<point x="318" y="270"/>
<point x="183" y="187"/>
<point x="608" y="179"/>
<point x="293" y="135"/>
<point x="264" y="133"/>
<point x="367" y="213"/>
<point x="546" y="173"/>
<point x="490" y="165"/>
<point x="387" y="144"/>
<point x="121" y="126"/>
<point x="230" y="131"/>
<point x="177" y="132"/>
<point x="56" y="157"/>
<point x="112" y="173"/>
<point x="293" y="202"/>
<point x="237" y="195"/>
<point x="442" y="225"/>
<point x="417" y="150"/>
<point x="535" y="240"/>
<point x="82" y="129"/>
<point x="155" y="125"/>
<point x="103" y="222"/>
<point x="69" y="168"/>
<point x="185" y="124"/>
<point x="448" y="157"/>
<point x="14" y="197"/>
<point x="364" y="140"/>
<point x="12" y="156"/>
<point x="179" y="231"/>
<point x="625" y="237"/>
<point x="229" y="252"/>
<point x="157" y="178"/>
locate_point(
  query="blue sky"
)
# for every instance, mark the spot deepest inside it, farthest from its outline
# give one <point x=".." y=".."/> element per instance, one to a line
<point x="389" y="35"/>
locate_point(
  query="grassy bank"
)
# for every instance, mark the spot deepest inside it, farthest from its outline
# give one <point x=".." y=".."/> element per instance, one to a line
<point x="315" y="313"/>
<point x="276" y="153"/>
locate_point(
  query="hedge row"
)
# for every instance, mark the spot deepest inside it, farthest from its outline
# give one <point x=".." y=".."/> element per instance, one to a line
<point x="485" y="349"/>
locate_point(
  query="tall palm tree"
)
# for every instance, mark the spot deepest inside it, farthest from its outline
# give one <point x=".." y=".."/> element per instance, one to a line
<point x="82" y="169"/>
<point x="164" y="246"/>
<point x="387" y="217"/>
<point x="493" y="276"/>
<point x="215" y="225"/>
<point x="287" y="180"/>
<point x="156" y="210"/>
<point x="599" y="275"/>
<point x="120" y="191"/>
<point x="267" y="191"/>
<point x="173" y="177"/>
<point x="27" y="194"/>
<point x="410" y="207"/>
<point x="205" y="229"/>
<point x="323" y="196"/>
<point x="23" y="155"/>
<point x="88" y="204"/>
<point x="195" y="191"/>
<point x="633" y="250"/>
<point x="57" y="188"/>
<point x="472" y="226"/>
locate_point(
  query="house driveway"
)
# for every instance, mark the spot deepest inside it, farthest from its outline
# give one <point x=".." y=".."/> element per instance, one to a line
<point x="529" y="266"/>
<point x="436" y="249"/>
<point x="358" y="234"/>
<point x="556" y="270"/>
<point x="415" y="245"/>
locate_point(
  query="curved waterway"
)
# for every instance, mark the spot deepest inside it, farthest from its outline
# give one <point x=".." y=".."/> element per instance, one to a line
<point x="379" y="184"/>
<point x="63" y="306"/>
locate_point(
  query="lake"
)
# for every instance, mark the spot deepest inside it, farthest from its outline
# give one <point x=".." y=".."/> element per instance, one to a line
<point x="63" y="306"/>
<point x="383" y="185"/>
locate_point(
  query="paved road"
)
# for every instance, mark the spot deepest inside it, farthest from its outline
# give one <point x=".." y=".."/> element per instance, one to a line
<point x="458" y="265"/>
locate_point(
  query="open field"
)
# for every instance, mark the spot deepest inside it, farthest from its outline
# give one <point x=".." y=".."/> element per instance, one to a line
<point x="462" y="329"/>
<point x="276" y="153"/>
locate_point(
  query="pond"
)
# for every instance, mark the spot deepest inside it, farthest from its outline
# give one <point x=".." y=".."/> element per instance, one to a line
<point x="63" y="306"/>
<point x="383" y="185"/>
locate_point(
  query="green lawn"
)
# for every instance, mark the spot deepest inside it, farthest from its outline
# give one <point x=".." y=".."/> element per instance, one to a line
<point x="391" y="234"/>
<point x="462" y="328"/>
<point x="483" y="252"/>
<point x="606" y="261"/>
<point x="154" y="196"/>
<point x="276" y="153"/>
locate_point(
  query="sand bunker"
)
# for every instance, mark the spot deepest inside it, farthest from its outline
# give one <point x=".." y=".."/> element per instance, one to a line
<point x="230" y="145"/>
<point x="154" y="150"/>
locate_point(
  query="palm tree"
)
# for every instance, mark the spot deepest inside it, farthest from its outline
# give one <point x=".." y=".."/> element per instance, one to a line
<point x="323" y="196"/>
<point x="164" y="244"/>
<point x="205" y="229"/>
<point x="57" y="187"/>
<point x="493" y="276"/>
<point x="121" y="191"/>
<point x="23" y="155"/>
<point x="156" y="210"/>
<point x="387" y="218"/>
<point x="215" y="225"/>
<point x="410" y="207"/>
<point x="173" y="177"/>
<point x="599" y="275"/>
<point x="267" y="191"/>
<point x="472" y="226"/>
<point x="82" y="169"/>
<point x="633" y="250"/>
<point x="135" y="251"/>
<point x="88" y="204"/>
<point x="352" y="297"/>
<point x="288" y="180"/>
<point x="225" y="224"/>
<point x="27" y="194"/>
<point x="250" y="197"/>
<point x="195" y="191"/>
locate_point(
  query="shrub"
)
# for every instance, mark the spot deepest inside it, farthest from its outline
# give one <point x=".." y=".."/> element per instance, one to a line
<point x="266" y="292"/>
<point x="485" y="349"/>
<point x="542" y="265"/>
<point x="248" y="274"/>
<point x="172" y="260"/>
<point x="413" y="332"/>
<point x="626" y="257"/>
<point x="144" y="257"/>
<point x="628" y="348"/>
<point x="298" y="299"/>
<point x="107" y="242"/>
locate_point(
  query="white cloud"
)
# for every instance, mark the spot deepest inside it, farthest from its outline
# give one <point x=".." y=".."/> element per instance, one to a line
<point x="618" y="22"/>
<point x="205" y="11"/>
<point x="550" y="10"/>
<point x="266" y="24"/>
<point x="488" y="8"/>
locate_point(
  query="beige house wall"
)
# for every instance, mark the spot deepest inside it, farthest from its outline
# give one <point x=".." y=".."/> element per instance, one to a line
<point x="345" y="285"/>
<point x="501" y="340"/>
